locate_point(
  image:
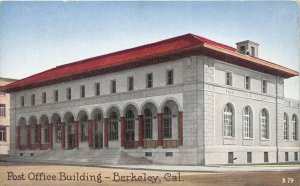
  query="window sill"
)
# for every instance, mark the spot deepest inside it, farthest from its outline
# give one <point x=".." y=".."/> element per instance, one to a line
<point x="229" y="137"/>
<point x="248" y="139"/>
<point x="229" y="141"/>
<point x="170" y="139"/>
<point x="264" y="139"/>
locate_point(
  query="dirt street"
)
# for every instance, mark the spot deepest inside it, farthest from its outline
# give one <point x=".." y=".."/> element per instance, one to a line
<point x="42" y="174"/>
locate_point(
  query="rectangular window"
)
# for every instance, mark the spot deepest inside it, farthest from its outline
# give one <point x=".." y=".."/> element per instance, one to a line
<point x="286" y="156"/>
<point x="130" y="83"/>
<point x="82" y="91"/>
<point x="169" y="154"/>
<point x="230" y="157"/>
<point x="97" y="89"/>
<point x="148" y="153"/>
<point x="296" y="156"/>
<point x="247" y="83"/>
<point x="55" y="96"/>
<point x="3" y="134"/>
<point x="113" y="86"/>
<point x="149" y="80"/>
<point x="264" y="86"/>
<point x="22" y="101"/>
<point x="33" y="99"/>
<point x="229" y="78"/>
<point x="266" y="157"/>
<point x="69" y="94"/>
<point x="2" y="93"/>
<point x="44" y="97"/>
<point x="170" y="77"/>
<point x="249" y="157"/>
<point x="2" y="110"/>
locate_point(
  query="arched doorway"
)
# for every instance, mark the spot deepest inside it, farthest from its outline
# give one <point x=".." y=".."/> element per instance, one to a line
<point x="149" y="111"/>
<point x="70" y="132"/>
<point x="33" y="132"/>
<point x="23" y="128"/>
<point x="130" y="128"/>
<point x="82" y="119"/>
<point x="129" y="131"/>
<point x="171" y="130"/>
<point x="97" y="129"/>
<point x="44" y="122"/>
<point x="57" y="134"/>
<point x="113" y="126"/>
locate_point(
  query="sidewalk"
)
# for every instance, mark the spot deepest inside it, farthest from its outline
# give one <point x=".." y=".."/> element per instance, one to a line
<point x="214" y="169"/>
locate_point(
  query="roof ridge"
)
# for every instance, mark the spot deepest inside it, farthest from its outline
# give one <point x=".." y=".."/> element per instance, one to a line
<point x="105" y="62"/>
<point x="221" y="45"/>
<point x="125" y="50"/>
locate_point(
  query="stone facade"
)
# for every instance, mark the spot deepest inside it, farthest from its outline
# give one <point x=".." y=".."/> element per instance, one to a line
<point x="196" y="101"/>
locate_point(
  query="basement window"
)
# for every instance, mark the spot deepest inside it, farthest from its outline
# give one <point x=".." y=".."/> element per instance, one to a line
<point x="147" y="154"/>
<point x="169" y="154"/>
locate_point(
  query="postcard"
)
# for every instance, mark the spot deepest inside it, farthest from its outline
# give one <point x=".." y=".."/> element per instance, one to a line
<point x="149" y="93"/>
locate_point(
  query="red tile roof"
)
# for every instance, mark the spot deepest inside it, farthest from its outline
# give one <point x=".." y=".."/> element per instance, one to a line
<point x="179" y="44"/>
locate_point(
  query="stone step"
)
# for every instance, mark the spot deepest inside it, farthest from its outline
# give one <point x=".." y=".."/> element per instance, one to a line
<point x="75" y="157"/>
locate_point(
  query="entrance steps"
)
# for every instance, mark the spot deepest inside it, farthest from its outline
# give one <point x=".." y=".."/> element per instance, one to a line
<point x="93" y="157"/>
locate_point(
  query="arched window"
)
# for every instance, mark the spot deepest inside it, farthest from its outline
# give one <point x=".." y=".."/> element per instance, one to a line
<point x="167" y="125"/>
<point x="97" y="120"/>
<point x="285" y="127"/>
<point x="33" y="131"/>
<point x="228" y="121"/>
<point x="83" y="128"/>
<point x="248" y="125"/>
<point x="264" y="124"/>
<point x="23" y="127"/>
<point x="129" y="126"/>
<point x="295" y="127"/>
<point x="147" y="124"/>
<point x="46" y="132"/>
<point x="44" y="129"/>
<point x="57" y="131"/>
<point x="113" y="126"/>
<point x="70" y="122"/>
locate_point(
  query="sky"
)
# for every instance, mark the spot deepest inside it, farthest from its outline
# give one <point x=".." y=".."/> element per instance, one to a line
<point x="36" y="36"/>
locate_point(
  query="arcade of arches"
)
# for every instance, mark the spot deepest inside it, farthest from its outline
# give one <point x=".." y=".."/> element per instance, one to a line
<point x="150" y="129"/>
